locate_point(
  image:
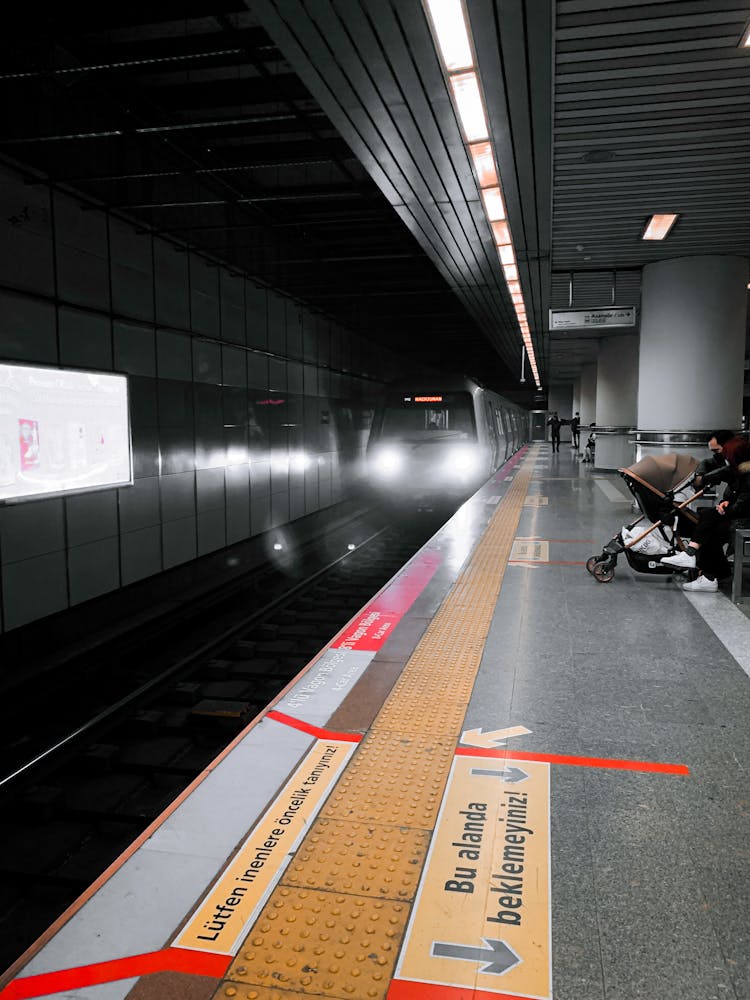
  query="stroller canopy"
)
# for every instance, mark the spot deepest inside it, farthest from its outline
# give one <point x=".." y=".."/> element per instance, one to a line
<point x="662" y="472"/>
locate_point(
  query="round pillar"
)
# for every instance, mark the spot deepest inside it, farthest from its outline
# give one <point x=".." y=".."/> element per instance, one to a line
<point x="587" y="396"/>
<point x="616" y="402"/>
<point x="692" y="349"/>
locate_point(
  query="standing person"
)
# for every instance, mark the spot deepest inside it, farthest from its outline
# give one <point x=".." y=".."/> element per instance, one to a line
<point x="575" y="430"/>
<point x="554" y="422"/>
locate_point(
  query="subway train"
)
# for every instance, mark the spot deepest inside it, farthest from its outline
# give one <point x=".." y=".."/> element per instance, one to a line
<point x="434" y="441"/>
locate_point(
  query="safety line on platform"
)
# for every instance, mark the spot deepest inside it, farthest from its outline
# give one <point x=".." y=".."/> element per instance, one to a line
<point x="406" y="989"/>
<point x="167" y="960"/>
<point x="575" y="761"/>
<point x="308" y="727"/>
<point x="546" y="562"/>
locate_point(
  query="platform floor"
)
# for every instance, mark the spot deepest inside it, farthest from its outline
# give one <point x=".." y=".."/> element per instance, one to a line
<point x="501" y="780"/>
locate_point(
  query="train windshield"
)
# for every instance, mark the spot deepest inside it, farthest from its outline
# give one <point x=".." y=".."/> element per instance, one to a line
<point x="437" y="415"/>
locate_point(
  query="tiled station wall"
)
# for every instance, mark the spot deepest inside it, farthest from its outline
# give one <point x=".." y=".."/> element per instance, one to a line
<point x="209" y="356"/>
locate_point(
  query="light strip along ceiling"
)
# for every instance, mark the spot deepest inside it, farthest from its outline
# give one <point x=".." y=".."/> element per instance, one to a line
<point x="454" y="45"/>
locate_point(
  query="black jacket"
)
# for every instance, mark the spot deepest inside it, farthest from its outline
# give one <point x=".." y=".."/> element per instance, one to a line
<point x="738" y="493"/>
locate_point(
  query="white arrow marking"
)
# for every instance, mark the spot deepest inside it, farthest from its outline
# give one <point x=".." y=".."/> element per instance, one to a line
<point x="492" y="738"/>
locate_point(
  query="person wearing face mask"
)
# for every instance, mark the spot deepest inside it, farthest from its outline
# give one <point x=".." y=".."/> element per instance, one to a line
<point x="716" y="443"/>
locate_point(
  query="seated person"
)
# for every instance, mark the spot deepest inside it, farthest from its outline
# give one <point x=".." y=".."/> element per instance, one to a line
<point x="710" y="535"/>
<point x="590" y="446"/>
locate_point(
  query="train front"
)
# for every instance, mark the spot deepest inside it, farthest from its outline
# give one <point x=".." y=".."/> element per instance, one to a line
<point x="425" y="449"/>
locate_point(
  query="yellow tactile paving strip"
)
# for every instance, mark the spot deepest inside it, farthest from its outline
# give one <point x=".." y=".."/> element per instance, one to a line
<point x="333" y="926"/>
<point x="364" y="858"/>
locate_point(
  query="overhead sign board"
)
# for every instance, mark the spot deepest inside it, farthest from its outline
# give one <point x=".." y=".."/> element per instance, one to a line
<point x="606" y="316"/>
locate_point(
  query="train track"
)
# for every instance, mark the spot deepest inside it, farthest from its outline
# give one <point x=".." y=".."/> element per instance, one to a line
<point x="143" y="719"/>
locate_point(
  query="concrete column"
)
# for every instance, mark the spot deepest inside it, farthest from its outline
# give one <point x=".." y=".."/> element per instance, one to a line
<point x="692" y="347"/>
<point x="576" y="396"/>
<point x="616" y="402"/>
<point x="588" y="397"/>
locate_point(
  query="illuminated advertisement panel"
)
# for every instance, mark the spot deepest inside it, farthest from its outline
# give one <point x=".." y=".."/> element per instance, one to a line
<point x="62" y="431"/>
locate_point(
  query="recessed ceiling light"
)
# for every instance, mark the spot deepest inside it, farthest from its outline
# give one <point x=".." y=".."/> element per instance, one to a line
<point x="493" y="204"/>
<point x="468" y="99"/>
<point x="484" y="164"/>
<point x="502" y="236"/>
<point x="452" y="35"/>
<point x="658" y="227"/>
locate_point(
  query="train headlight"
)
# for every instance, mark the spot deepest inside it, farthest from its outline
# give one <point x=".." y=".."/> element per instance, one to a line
<point x="299" y="461"/>
<point x="388" y="462"/>
<point x="464" y="460"/>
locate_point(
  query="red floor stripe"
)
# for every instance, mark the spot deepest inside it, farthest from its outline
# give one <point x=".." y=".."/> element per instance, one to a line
<point x="541" y="538"/>
<point x="554" y="758"/>
<point x="308" y="727"/>
<point x="402" y="989"/>
<point x="546" y="562"/>
<point x="169" y="960"/>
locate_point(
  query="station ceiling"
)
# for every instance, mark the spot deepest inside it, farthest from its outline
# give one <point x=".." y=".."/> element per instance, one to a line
<point x="313" y="145"/>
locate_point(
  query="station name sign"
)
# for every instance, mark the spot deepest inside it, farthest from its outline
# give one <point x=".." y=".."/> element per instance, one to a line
<point x="606" y="316"/>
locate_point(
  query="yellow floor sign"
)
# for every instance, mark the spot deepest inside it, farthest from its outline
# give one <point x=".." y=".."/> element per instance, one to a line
<point x="235" y="899"/>
<point x="482" y="915"/>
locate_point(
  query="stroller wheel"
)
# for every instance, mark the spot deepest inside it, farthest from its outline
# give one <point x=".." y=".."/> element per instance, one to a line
<point x="592" y="561"/>
<point x="604" y="571"/>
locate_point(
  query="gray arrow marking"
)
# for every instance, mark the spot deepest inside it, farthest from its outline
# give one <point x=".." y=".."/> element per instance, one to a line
<point x="513" y="775"/>
<point x="499" y="956"/>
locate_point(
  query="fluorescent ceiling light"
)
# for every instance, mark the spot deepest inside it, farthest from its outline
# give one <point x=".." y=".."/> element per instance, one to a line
<point x="506" y="256"/>
<point x="515" y="286"/>
<point x="511" y="272"/>
<point x="745" y="41"/>
<point x="484" y="164"/>
<point x="493" y="204"/>
<point x="452" y="35"/>
<point x="658" y="227"/>
<point x="470" y="108"/>
<point x="502" y="234"/>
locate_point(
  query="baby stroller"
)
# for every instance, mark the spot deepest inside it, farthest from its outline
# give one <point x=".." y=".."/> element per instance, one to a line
<point x="660" y="485"/>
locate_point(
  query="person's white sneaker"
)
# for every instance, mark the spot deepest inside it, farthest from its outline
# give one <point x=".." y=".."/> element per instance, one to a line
<point x="681" y="560"/>
<point x="703" y="584"/>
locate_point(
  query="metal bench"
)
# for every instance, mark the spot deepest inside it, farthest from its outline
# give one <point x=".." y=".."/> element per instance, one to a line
<point x="741" y="559"/>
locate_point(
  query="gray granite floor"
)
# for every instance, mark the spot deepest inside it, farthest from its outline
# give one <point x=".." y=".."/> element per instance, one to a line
<point x="650" y="871"/>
